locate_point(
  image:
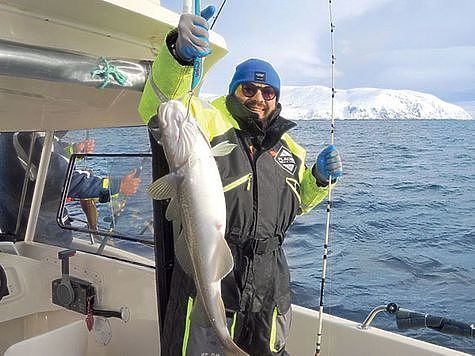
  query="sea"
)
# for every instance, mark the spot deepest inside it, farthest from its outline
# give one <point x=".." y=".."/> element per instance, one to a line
<point x="402" y="221"/>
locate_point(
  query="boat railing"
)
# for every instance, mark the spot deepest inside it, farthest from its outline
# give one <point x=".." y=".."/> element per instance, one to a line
<point x="408" y="319"/>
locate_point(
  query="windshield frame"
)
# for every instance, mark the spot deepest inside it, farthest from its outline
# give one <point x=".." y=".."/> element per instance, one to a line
<point x="65" y="189"/>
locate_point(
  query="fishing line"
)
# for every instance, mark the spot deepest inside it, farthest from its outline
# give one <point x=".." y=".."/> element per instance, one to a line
<point x="219" y="12"/>
<point x="330" y="190"/>
<point x="198" y="63"/>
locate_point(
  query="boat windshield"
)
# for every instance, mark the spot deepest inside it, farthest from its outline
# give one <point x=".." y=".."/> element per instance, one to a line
<point x="13" y="181"/>
<point x="106" y="192"/>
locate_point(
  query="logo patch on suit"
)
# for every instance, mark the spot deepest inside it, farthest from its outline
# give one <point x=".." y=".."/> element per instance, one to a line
<point x="260" y="76"/>
<point x="285" y="159"/>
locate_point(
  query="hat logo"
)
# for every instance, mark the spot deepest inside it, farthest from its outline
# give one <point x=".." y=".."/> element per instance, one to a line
<point x="260" y="76"/>
<point x="285" y="159"/>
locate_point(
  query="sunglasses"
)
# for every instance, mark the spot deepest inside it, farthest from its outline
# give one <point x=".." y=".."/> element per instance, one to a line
<point x="249" y="90"/>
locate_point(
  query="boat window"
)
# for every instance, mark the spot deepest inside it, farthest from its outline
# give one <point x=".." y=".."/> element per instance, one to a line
<point x="14" y="158"/>
<point x="132" y="214"/>
<point x="95" y="196"/>
<point x="121" y="214"/>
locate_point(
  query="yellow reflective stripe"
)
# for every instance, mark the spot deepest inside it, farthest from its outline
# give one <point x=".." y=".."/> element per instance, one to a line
<point x="233" y="326"/>
<point x="186" y="334"/>
<point x="162" y="97"/>
<point x="273" y="331"/>
<point x="293" y="184"/>
<point x="171" y="78"/>
<point x="247" y="178"/>
<point x="105" y="185"/>
<point x="69" y="149"/>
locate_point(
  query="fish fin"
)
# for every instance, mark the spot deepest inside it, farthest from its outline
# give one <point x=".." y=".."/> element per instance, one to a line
<point x="165" y="187"/>
<point x="228" y="261"/>
<point x="173" y="210"/>
<point x="222" y="149"/>
<point x="183" y="254"/>
<point x="198" y="314"/>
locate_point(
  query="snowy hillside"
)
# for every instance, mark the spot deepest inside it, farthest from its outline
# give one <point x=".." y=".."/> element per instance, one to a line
<point x="314" y="102"/>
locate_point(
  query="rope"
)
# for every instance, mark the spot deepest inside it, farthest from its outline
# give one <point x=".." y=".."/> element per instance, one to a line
<point x="330" y="190"/>
<point x="107" y="70"/>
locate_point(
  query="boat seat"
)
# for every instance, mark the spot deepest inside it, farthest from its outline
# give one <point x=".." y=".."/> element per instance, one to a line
<point x="70" y="340"/>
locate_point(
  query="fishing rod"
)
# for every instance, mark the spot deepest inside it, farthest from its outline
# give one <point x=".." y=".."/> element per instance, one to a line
<point x="318" y="344"/>
<point x="198" y="62"/>
<point x="118" y="209"/>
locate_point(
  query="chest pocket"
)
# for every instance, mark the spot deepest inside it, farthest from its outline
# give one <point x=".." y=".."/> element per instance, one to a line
<point x="245" y="180"/>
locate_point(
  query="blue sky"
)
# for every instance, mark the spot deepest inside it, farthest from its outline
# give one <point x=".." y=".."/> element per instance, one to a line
<point x="422" y="45"/>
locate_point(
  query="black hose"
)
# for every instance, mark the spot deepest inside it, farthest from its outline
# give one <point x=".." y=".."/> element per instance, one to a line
<point x="407" y="319"/>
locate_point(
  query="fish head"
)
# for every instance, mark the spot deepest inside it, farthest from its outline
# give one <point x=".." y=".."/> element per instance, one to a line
<point x="178" y="132"/>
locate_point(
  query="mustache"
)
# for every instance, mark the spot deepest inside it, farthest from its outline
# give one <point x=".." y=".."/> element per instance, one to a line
<point x="252" y="102"/>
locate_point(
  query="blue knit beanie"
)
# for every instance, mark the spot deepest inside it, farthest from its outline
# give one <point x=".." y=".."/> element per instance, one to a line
<point x="258" y="71"/>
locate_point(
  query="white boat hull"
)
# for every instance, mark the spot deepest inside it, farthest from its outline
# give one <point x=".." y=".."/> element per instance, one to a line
<point x="28" y="312"/>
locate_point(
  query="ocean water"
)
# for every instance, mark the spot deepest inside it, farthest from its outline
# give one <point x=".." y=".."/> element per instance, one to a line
<point x="403" y="221"/>
<point x="403" y="224"/>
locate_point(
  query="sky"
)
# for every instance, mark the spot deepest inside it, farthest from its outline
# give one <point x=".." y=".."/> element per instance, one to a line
<point x="421" y="45"/>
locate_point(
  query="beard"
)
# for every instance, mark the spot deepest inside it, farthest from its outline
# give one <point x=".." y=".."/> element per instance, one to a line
<point x="262" y="109"/>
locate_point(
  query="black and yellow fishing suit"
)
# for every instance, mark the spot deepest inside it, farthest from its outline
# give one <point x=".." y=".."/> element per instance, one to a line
<point x="266" y="184"/>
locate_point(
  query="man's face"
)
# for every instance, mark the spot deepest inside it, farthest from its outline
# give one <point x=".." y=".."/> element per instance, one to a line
<point x="254" y="95"/>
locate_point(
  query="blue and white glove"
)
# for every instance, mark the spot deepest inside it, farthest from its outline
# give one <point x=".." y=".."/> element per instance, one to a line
<point x="328" y="164"/>
<point x="192" y="41"/>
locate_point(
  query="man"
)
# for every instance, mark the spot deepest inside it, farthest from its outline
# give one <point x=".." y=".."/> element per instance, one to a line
<point x="14" y="148"/>
<point x="266" y="185"/>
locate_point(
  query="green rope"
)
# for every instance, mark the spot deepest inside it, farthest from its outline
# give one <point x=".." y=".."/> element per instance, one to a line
<point x="106" y="71"/>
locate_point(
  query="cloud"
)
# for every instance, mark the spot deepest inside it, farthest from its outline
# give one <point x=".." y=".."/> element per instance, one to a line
<point x="420" y="45"/>
<point x="446" y="72"/>
<point x="350" y="9"/>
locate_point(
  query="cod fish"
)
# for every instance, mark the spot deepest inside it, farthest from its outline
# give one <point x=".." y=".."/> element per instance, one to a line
<point x="197" y="202"/>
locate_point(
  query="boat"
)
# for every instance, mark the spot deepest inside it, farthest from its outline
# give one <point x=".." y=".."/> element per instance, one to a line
<point x="98" y="298"/>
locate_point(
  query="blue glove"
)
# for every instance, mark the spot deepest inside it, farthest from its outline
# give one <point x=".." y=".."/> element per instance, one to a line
<point x="192" y="41"/>
<point x="328" y="164"/>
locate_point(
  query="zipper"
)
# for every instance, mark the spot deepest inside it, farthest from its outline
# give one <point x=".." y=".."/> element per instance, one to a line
<point x="246" y="179"/>
<point x="253" y="176"/>
<point x="294" y="184"/>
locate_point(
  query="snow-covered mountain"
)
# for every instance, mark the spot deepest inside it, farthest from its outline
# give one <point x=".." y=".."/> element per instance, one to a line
<point x="314" y="102"/>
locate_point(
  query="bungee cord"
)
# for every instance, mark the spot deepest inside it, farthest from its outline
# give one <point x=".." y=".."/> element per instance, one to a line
<point x="330" y="188"/>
